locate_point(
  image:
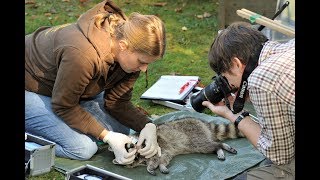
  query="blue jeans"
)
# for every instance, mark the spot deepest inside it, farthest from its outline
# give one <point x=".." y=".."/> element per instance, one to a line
<point x="41" y="121"/>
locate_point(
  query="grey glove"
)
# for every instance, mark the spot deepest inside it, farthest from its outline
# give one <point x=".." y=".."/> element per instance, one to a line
<point x="149" y="135"/>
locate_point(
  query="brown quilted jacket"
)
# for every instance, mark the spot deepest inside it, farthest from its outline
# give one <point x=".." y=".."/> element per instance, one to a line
<point x="72" y="62"/>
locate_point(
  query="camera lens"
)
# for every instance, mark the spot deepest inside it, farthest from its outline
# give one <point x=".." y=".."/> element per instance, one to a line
<point x="214" y="93"/>
<point x="209" y="93"/>
<point x="196" y="101"/>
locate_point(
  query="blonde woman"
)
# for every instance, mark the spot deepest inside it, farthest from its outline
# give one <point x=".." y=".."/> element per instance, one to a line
<point x="79" y="79"/>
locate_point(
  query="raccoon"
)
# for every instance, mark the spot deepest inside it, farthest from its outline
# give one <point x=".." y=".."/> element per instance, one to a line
<point x="184" y="136"/>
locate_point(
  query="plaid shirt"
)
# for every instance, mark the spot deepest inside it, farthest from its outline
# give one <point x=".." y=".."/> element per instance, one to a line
<point x="272" y="92"/>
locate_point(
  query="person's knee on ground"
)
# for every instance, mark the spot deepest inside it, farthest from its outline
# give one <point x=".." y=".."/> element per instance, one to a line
<point x="80" y="149"/>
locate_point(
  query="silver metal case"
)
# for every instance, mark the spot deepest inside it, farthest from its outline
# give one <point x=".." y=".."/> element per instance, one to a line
<point x="39" y="160"/>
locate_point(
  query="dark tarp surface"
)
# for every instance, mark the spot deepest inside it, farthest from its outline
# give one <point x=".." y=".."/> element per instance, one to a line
<point x="189" y="166"/>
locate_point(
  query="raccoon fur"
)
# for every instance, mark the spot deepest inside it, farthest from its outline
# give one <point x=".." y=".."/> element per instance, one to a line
<point x="185" y="136"/>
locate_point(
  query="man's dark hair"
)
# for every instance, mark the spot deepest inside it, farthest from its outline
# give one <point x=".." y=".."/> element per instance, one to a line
<point x="239" y="39"/>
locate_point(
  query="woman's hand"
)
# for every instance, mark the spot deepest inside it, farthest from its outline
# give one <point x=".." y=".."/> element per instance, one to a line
<point x="149" y="135"/>
<point x="117" y="142"/>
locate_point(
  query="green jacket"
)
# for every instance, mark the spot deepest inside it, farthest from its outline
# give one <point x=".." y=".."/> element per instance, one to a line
<point x="72" y="62"/>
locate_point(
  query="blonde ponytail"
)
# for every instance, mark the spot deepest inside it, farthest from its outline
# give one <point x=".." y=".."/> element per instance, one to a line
<point x="114" y="21"/>
<point x="144" y="34"/>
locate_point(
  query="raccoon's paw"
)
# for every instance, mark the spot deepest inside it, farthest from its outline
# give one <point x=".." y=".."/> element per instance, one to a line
<point x="229" y="148"/>
<point x="163" y="169"/>
<point x="221" y="155"/>
<point x="151" y="171"/>
<point x="232" y="150"/>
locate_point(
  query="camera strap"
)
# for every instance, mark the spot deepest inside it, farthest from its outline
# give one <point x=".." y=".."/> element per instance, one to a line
<point x="241" y="95"/>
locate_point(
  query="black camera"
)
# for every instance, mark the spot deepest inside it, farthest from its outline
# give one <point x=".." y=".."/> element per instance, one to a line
<point x="214" y="93"/>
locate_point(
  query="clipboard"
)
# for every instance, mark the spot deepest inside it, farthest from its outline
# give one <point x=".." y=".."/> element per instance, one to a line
<point x="171" y="88"/>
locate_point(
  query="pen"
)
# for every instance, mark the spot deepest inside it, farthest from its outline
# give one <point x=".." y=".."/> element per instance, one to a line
<point x="184" y="87"/>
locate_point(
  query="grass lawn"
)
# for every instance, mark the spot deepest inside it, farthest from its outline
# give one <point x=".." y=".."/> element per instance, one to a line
<point x="186" y="52"/>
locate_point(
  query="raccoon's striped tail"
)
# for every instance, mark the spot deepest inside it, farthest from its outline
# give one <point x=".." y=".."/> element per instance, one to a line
<point x="225" y="131"/>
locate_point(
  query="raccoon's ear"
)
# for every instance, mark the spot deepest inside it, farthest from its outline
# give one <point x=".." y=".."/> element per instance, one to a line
<point x="110" y="149"/>
<point x="114" y="161"/>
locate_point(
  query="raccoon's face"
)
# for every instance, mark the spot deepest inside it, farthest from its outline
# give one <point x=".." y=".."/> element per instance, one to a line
<point x="138" y="161"/>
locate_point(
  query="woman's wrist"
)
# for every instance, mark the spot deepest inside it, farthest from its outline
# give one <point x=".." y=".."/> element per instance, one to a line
<point x="150" y="124"/>
<point x="103" y="134"/>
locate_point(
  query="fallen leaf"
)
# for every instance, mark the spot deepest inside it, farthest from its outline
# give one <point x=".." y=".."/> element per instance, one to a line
<point x="199" y="16"/>
<point x="53" y="11"/>
<point x="70" y="14"/>
<point x="47" y="14"/>
<point x="184" y="28"/>
<point x="174" y="74"/>
<point x="178" y="10"/>
<point x="33" y="17"/>
<point x="161" y="4"/>
<point x="32" y="4"/>
<point x="29" y="2"/>
<point x="206" y="15"/>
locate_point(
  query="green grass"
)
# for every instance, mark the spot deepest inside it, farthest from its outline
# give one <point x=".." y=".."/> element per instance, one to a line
<point x="186" y="52"/>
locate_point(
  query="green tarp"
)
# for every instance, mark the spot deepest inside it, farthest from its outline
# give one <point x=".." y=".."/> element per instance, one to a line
<point x="189" y="166"/>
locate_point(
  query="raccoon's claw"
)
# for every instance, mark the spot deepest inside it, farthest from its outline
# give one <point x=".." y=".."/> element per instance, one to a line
<point x="163" y="169"/>
<point x="222" y="158"/>
<point x="151" y="171"/>
<point x="229" y="148"/>
<point x="221" y="155"/>
<point x="233" y="151"/>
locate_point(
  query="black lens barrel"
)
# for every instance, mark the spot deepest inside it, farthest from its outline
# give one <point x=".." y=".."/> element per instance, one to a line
<point x="214" y="93"/>
<point x="196" y="101"/>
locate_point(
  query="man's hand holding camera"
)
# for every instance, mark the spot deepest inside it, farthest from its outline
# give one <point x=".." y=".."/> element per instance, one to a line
<point x="220" y="108"/>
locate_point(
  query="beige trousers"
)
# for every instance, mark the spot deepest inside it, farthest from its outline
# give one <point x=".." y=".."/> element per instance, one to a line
<point x="272" y="171"/>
